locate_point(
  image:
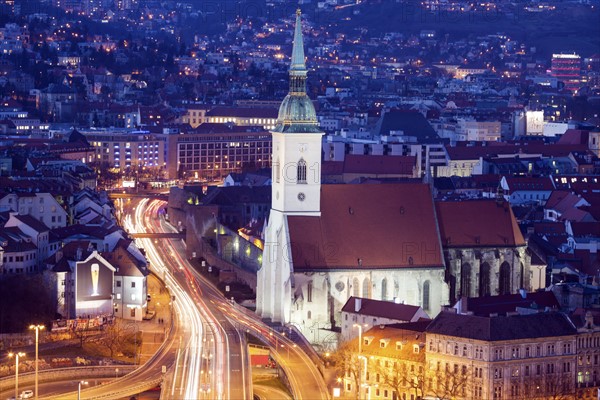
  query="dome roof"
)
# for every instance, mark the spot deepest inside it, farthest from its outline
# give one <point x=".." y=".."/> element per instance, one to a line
<point x="297" y="115"/>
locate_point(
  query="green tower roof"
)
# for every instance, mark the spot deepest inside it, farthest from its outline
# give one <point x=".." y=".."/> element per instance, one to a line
<point x="297" y="113"/>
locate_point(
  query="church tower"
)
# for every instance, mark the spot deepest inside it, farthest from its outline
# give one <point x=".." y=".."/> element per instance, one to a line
<point x="297" y="143"/>
<point x="296" y="184"/>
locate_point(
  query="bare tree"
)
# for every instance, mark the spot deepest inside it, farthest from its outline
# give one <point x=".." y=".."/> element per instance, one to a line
<point x="550" y="386"/>
<point x="114" y="336"/>
<point x="348" y="364"/>
<point x="450" y="382"/>
<point x="402" y="375"/>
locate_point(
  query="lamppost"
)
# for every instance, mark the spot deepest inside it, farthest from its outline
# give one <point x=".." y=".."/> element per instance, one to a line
<point x="37" y="329"/>
<point x="360" y="331"/>
<point x="17" y="356"/>
<point x="79" y="388"/>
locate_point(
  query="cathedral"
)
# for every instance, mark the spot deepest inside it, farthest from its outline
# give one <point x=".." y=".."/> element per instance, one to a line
<point x="326" y="243"/>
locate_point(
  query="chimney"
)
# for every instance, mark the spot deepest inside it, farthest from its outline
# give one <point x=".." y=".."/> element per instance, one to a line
<point x="357" y="304"/>
<point x="589" y="320"/>
<point x="523" y="293"/>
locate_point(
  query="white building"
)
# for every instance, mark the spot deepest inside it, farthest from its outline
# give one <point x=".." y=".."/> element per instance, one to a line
<point x="316" y="253"/>
<point x="41" y="206"/>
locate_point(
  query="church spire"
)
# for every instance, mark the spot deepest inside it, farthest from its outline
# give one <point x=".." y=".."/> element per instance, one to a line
<point x="298" y="49"/>
<point x="297" y="113"/>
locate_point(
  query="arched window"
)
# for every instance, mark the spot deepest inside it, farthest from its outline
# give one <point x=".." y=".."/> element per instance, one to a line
<point x="355" y="288"/>
<point x="276" y="170"/>
<point x="521" y="276"/>
<point x="384" y="289"/>
<point x="484" y="280"/>
<point x="465" y="280"/>
<point x="309" y="291"/>
<point x="426" y="296"/>
<point x="366" y="289"/>
<point x="301" y="173"/>
<point x="308" y="315"/>
<point x="504" y="278"/>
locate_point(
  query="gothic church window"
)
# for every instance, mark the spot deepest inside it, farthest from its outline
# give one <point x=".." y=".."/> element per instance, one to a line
<point x="426" y="295"/>
<point x="355" y="288"/>
<point x="384" y="289"/>
<point x="484" y="280"/>
<point x="366" y="289"/>
<point x="465" y="280"/>
<point x="504" y="278"/>
<point x="301" y="173"/>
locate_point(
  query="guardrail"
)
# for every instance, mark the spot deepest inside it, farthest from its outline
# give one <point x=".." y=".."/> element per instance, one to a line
<point x="52" y="375"/>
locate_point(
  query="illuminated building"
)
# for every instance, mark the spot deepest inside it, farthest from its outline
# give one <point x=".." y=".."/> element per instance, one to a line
<point x="124" y="149"/>
<point x="567" y="68"/>
<point x="213" y="151"/>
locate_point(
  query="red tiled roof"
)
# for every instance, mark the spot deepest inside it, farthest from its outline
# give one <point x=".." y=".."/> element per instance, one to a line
<point x="549" y="228"/>
<point x="574" y="136"/>
<point x="585" y="229"/>
<point x="383" y="309"/>
<point x="478" y="223"/>
<point x="368" y="226"/>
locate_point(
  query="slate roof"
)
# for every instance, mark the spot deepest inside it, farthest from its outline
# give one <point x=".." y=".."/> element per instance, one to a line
<point x="382" y="309"/>
<point x="492" y="329"/>
<point x="467" y="224"/>
<point x="412" y="123"/>
<point x="375" y="164"/>
<point x="243" y="112"/>
<point x="507" y="303"/>
<point x="392" y="225"/>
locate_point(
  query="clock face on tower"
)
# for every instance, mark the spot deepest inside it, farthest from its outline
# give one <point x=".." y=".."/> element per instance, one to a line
<point x="301" y="196"/>
<point x="302" y="147"/>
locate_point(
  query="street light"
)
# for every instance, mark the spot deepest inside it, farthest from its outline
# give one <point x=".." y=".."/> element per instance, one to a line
<point x="37" y="329"/>
<point x="17" y="356"/>
<point x="360" y="331"/>
<point x="79" y="388"/>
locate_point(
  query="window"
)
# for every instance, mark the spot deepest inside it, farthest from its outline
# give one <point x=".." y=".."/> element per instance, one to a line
<point x="426" y="295"/>
<point x="497" y="373"/>
<point x="133" y="285"/>
<point x="366" y="289"/>
<point x="118" y="283"/>
<point x="301" y="171"/>
<point x="484" y="280"/>
<point x="384" y="289"/>
<point x="132" y="312"/>
<point x="465" y="280"/>
<point x="355" y="288"/>
<point x="276" y="170"/>
<point x="309" y="291"/>
<point x="416" y="348"/>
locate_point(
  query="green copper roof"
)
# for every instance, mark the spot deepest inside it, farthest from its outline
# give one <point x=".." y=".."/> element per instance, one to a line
<point x="297" y="113"/>
<point x="298" y="49"/>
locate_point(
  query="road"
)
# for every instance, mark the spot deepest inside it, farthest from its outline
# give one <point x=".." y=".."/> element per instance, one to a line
<point x="231" y="319"/>
<point x="206" y="355"/>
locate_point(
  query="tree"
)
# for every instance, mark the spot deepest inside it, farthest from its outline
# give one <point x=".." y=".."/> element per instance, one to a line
<point x="348" y="364"/>
<point x="402" y="375"/>
<point x="115" y="336"/>
<point x="449" y="382"/>
<point x="549" y="386"/>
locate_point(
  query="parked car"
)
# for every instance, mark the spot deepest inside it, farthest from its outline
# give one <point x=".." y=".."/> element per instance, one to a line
<point x="27" y="394"/>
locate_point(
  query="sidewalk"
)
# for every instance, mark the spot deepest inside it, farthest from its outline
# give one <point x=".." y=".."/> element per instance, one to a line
<point x="154" y="331"/>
